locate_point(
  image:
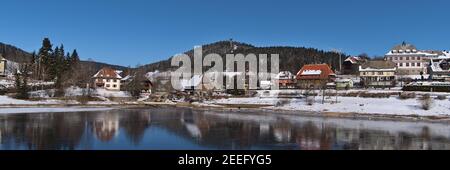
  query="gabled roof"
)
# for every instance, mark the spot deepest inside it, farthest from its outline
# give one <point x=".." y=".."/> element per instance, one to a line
<point x="379" y="64"/>
<point x="354" y="60"/>
<point x="404" y="46"/>
<point x="107" y="72"/>
<point x="285" y="75"/>
<point x="315" y="71"/>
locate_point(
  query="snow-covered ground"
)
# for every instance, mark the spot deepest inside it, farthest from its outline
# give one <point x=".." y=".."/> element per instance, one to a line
<point x="388" y="106"/>
<point x="109" y="93"/>
<point x="5" y="100"/>
<point x="49" y="109"/>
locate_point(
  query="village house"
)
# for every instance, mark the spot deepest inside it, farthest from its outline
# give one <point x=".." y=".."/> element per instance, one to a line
<point x="410" y="60"/>
<point x="344" y="84"/>
<point x="286" y="80"/>
<point x="145" y="84"/>
<point x="315" y="76"/>
<point x="108" y="79"/>
<point x="379" y="73"/>
<point x="439" y="69"/>
<point x="351" y="65"/>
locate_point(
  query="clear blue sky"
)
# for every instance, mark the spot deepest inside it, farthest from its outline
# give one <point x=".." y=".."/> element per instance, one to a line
<point x="128" y="32"/>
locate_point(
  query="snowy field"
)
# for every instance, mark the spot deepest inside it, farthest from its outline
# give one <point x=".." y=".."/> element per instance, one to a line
<point x="388" y="106"/>
<point x="5" y="100"/>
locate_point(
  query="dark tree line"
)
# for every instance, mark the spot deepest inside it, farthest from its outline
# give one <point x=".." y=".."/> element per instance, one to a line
<point x="49" y="64"/>
<point x="291" y="58"/>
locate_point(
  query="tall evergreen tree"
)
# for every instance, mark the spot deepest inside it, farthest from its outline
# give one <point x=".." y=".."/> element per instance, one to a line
<point x="43" y="58"/>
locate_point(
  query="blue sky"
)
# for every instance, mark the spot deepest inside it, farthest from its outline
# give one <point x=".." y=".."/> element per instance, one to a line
<point x="130" y="32"/>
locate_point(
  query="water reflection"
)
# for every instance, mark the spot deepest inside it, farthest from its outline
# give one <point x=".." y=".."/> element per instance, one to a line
<point x="175" y="128"/>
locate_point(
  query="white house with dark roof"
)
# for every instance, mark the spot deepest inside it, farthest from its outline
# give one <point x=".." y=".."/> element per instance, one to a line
<point x="107" y="78"/>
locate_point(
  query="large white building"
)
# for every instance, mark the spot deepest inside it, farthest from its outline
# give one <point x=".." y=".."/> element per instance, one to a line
<point x="410" y="60"/>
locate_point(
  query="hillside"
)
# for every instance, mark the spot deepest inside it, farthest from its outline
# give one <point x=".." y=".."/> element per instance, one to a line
<point x="15" y="54"/>
<point x="291" y="58"/>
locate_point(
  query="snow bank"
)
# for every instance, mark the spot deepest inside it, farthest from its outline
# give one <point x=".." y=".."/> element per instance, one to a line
<point x="388" y="106"/>
<point x="5" y="100"/>
<point x="49" y="109"/>
<point x="109" y="93"/>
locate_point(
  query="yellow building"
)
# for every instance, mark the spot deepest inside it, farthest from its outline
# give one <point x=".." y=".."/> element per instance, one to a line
<point x="2" y="66"/>
<point x="378" y="73"/>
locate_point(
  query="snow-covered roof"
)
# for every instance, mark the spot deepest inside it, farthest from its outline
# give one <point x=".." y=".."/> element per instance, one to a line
<point x="107" y="73"/>
<point x="436" y="65"/>
<point x="285" y="75"/>
<point x="311" y="72"/>
<point x="194" y="81"/>
<point x="126" y="78"/>
<point x="343" y="80"/>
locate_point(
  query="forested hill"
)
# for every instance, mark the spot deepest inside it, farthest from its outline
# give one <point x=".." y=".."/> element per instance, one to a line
<point x="15" y="54"/>
<point x="291" y="58"/>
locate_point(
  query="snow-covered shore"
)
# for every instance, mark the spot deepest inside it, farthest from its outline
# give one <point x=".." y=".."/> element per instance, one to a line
<point x="383" y="106"/>
<point x="51" y="109"/>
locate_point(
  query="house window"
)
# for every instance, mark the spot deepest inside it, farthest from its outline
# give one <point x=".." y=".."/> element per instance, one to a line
<point x="401" y="64"/>
<point x="401" y="58"/>
<point x="418" y="64"/>
<point x="413" y="64"/>
<point x="107" y="85"/>
<point x="107" y="80"/>
<point x="114" y="80"/>
<point x="114" y="86"/>
<point x="407" y="58"/>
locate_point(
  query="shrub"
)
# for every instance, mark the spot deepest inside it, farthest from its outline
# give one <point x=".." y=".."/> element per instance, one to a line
<point x="282" y="103"/>
<point x="441" y="97"/>
<point x="310" y="100"/>
<point x="407" y="95"/>
<point x="374" y="95"/>
<point x="351" y="94"/>
<point x="426" y="102"/>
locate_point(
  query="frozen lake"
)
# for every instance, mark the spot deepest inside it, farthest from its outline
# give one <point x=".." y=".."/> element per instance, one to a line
<point x="183" y="128"/>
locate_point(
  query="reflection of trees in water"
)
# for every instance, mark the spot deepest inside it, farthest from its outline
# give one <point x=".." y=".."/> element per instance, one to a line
<point x="224" y="131"/>
<point x="134" y="124"/>
<point x="43" y="131"/>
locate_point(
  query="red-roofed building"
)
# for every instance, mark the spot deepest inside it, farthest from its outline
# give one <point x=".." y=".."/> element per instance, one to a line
<point x="107" y="78"/>
<point x="315" y="76"/>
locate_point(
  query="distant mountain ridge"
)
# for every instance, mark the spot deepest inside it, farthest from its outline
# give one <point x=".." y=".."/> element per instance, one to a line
<point x="291" y="58"/>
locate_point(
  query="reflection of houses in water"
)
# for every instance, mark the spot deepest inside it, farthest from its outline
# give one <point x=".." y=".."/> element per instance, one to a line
<point x="282" y="132"/>
<point x="193" y="130"/>
<point x="194" y="124"/>
<point x="264" y="129"/>
<point x="106" y="126"/>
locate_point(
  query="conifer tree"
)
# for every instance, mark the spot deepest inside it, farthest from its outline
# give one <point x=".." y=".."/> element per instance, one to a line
<point x="43" y="58"/>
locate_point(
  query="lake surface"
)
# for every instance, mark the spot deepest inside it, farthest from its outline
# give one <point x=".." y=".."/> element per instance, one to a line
<point x="182" y="128"/>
